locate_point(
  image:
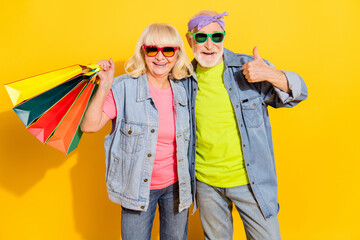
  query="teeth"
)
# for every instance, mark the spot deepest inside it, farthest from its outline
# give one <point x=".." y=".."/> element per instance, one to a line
<point x="159" y="64"/>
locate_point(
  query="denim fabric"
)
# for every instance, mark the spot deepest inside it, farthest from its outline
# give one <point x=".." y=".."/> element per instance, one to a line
<point x="250" y="102"/>
<point x="137" y="225"/>
<point x="215" y="206"/>
<point x="130" y="147"/>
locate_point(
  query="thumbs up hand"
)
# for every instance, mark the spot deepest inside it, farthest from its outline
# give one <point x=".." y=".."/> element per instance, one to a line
<point x="258" y="71"/>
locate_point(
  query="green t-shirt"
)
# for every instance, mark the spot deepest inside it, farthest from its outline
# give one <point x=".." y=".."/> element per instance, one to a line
<point x="219" y="158"/>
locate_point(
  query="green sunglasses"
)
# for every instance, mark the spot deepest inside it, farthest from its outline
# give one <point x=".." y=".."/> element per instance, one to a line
<point x="200" y="37"/>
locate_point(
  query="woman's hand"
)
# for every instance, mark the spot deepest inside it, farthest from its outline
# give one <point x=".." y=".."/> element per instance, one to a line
<point x="94" y="118"/>
<point x="107" y="74"/>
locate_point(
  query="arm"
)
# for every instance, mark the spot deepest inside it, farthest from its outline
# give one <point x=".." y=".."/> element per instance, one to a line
<point x="94" y="118"/>
<point x="281" y="88"/>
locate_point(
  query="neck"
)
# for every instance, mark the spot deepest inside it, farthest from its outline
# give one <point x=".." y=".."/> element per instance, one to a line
<point x="158" y="82"/>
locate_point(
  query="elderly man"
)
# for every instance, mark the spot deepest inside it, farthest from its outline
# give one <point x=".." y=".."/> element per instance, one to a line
<point x="231" y="134"/>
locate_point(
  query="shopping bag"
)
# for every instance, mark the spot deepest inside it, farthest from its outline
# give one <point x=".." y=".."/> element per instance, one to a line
<point x="46" y="124"/>
<point x="33" y="108"/>
<point x="51" y="105"/>
<point x="68" y="133"/>
<point x="27" y="88"/>
<point x="24" y="89"/>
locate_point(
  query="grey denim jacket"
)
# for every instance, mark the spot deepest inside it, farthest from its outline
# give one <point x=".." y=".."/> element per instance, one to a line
<point x="131" y="145"/>
<point x="250" y="102"/>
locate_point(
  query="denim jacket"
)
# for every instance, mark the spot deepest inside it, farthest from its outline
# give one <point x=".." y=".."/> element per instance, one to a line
<point x="250" y="102"/>
<point x="130" y="147"/>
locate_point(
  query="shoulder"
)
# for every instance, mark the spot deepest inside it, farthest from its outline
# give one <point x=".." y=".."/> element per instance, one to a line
<point x="238" y="59"/>
<point x="123" y="79"/>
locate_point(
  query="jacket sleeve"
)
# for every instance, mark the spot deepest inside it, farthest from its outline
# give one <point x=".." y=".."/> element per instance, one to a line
<point x="276" y="98"/>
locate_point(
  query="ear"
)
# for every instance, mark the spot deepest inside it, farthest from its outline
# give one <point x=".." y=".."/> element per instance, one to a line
<point x="189" y="39"/>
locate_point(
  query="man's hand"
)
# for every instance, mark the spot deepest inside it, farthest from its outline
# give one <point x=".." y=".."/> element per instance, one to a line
<point x="258" y="71"/>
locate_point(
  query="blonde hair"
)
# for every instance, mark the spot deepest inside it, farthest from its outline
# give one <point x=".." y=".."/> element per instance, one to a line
<point x="156" y="34"/>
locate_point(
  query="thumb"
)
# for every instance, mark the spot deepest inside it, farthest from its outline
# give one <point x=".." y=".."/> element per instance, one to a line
<point x="112" y="64"/>
<point x="256" y="54"/>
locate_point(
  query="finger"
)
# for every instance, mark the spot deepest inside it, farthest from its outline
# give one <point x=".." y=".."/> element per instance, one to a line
<point x="247" y="76"/>
<point x="102" y="64"/>
<point x="245" y="66"/>
<point x="112" y="64"/>
<point x="107" y="65"/>
<point x="256" y="54"/>
<point x="245" y="72"/>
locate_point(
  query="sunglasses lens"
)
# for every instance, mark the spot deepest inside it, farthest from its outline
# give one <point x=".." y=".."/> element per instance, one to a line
<point x="217" y="37"/>
<point x="200" y="37"/>
<point x="151" y="51"/>
<point x="168" y="51"/>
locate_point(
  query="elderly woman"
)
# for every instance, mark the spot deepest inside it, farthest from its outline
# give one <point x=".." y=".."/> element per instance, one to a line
<point x="146" y="151"/>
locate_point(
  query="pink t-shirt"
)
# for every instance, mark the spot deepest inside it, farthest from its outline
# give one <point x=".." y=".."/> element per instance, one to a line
<point x="165" y="169"/>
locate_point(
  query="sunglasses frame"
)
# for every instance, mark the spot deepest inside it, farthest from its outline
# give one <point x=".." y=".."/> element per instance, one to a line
<point x="207" y="36"/>
<point x="159" y="49"/>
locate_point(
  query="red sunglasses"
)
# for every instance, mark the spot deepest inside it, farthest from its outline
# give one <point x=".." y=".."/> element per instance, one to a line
<point x="152" y="51"/>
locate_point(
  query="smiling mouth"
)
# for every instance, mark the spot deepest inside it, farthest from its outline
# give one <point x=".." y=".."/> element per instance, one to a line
<point x="208" y="53"/>
<point x="160" y="64"/>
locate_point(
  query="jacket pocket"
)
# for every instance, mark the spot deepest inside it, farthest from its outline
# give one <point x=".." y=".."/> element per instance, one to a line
<point x="252" y="112"/>
<point x="132" y="136"/>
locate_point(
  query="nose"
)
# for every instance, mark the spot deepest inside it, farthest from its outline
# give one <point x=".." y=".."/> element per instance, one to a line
<point x="209" y="43"/>
<point x="159" y="56"/>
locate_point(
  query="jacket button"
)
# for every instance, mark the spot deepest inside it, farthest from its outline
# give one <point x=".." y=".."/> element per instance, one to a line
<point x="142" y="207"/>
<point x="145" y="180"/>
<point x="244" y="145"/>
<point x="237" y="106"/>
<point x="180" y="160"/>
<point x="247" y="164"/>
<point x="194" y="89"/>
<point x="149" y="155"/>
<point x="241" y="125"/>
<point x="129" y="132"/>
<point x="253" y="182"/>
<point x="178" y="136"/>
<point x="230" y="89"/>
<point x="152" y="130"/>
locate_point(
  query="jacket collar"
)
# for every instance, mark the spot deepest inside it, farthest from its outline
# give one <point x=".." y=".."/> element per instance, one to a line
<point x="143" y="91"/>
<point x="230" y="58"/>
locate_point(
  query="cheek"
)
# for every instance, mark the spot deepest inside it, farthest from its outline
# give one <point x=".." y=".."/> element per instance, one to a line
<point x="219" y="46"/>
<point x="172" y="62"/>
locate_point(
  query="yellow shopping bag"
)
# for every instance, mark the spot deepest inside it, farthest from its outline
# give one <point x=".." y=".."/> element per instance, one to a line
<point x="24" y="89"/>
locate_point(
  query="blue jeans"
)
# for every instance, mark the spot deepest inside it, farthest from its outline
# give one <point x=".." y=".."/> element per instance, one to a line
<point x="137" y="225"/>
<point x="215" y="206"/>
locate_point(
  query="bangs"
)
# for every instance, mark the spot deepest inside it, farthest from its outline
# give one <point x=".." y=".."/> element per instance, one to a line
<point x="161" y="35"/>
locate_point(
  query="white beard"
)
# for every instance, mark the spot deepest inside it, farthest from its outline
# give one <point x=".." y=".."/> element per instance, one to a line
<point x="205" y="63"/>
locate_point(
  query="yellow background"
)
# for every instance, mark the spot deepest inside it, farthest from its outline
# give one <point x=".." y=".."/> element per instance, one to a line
<point x="47" y="195"/>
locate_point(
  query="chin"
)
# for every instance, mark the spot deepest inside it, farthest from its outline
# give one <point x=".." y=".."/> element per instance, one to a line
<point x="206" y="62"/>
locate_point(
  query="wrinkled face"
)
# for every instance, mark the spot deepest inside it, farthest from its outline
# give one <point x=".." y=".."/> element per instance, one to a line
<point x="207" y="54"/>
<point x="160" y="66"/>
